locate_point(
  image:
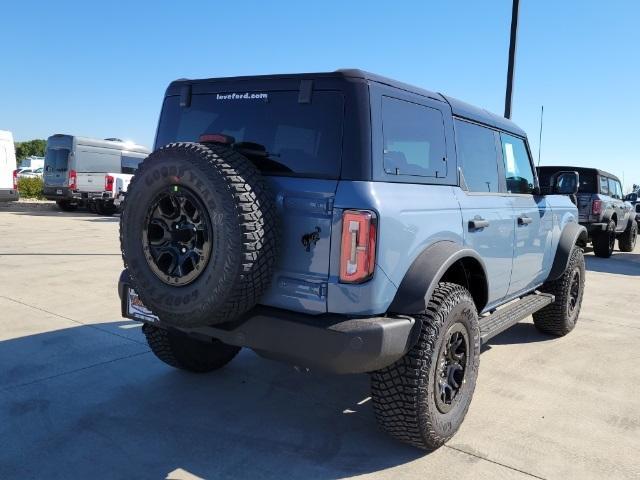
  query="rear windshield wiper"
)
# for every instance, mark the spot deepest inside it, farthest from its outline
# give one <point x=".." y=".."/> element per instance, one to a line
<point x="258" y="153"/>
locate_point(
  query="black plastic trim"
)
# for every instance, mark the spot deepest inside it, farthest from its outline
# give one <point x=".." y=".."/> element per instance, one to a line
<point x="572" y="234"/>
<point x="330" y="342"/>
<point x="423" y="276"/>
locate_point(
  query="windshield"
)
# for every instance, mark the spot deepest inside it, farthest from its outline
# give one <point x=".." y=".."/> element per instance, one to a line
<point x="56" y="159"/>
<point x="301" y="139"/>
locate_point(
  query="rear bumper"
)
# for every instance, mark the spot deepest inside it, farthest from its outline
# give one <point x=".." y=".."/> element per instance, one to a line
<point x="64" y="193"/>
<point x="332" y="343"/>
<point x="57" y="193"/>
<point x="594" y="227"/>
<point x="9" y="195"/>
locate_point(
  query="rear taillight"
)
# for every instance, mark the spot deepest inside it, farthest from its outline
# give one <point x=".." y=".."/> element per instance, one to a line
<point x="358" y="246"/>
<point x="15" y="179"/>
<point x="73" y="180"/>
<point x="596" y="207"/>
<point x="108" y="183"/>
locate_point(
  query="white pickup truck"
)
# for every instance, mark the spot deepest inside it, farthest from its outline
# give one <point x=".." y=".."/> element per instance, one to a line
<point x="77" y="171"/>
<point x="100" y="191"/>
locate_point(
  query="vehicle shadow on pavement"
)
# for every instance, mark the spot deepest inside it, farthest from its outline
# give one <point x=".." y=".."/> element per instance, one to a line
<point x="619" y="263"/>
<point x="523" y="332"/>
<point x="84" y="403"/>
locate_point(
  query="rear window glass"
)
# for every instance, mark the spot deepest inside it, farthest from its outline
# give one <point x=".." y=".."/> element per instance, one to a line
<point x="587" y="178"/>
<point x="300" y="138"/>
<point x="57" y="159"/>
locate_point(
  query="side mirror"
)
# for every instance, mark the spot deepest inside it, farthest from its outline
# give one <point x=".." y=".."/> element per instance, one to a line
<point x="566" y="183"/>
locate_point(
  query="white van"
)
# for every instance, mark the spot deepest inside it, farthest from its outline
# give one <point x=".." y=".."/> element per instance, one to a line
<point x="32" y="162"/>
<point x="70" y="162"/>
<point x="8" y="174"/>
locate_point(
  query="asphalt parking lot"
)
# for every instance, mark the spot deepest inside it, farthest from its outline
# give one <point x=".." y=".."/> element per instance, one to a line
<point x="81" y="396"/>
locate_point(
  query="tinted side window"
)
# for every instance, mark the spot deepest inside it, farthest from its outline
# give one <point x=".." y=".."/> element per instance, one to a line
<point x="130" y="164"/>
<point x="477" y="156"/>
<point x="517" y="164"/>
<point x="413" y="138"/>
<point x="604" y="186"/>
<point x="615" y="190"/>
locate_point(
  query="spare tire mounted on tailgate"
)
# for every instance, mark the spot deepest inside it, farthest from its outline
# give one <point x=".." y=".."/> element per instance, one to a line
<point x="198" y="234"/>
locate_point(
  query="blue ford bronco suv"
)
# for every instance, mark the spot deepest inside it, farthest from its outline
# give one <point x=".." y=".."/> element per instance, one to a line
<point x="347" y="222"/>
<point x="601" y="208"/>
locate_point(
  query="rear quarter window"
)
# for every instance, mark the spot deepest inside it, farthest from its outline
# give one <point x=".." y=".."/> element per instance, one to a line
<point x="130" y="163"/>
<point x="414" y="140"/>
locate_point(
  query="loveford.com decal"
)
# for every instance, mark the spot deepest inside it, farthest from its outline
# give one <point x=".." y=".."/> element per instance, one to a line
<point x="242" y="96"/>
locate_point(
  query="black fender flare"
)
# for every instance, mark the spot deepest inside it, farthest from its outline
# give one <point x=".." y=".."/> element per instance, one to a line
<point x="572" y="234"/>
<point x="425" y="272"/>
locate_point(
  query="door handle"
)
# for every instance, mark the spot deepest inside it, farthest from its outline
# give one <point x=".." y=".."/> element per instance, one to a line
<point x="524" y="220"/>
<point x="478" y="223"/>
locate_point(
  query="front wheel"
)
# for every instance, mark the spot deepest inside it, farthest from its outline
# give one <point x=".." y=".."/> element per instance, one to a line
<point x="423" y="398"/>
<point x="627" y="241"/>
<point x="560" y="317"/>
<point x="181" y="351"/>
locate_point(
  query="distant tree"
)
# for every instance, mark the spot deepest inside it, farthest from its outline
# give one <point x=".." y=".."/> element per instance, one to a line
<point x="35" y="147"/>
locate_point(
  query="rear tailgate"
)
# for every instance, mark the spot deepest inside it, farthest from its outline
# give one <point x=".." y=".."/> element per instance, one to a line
<point x="302" y="144"/>
<point x="584" y="206"/>
<point x="305" y="208"/>
<point x="91" y="182"/>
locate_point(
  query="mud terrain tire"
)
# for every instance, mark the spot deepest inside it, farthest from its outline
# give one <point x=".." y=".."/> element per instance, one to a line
<point x="186" y="353"/>
<point x="221" y="197"/>
<point x="407" y="396"/>
<point x="560" y="317"/>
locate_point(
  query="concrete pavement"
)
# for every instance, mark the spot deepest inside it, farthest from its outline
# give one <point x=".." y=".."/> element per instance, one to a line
<point x="82" y="397"/>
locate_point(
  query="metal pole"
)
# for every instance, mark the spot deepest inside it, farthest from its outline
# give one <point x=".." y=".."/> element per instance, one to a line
<point x="512" y="58"/>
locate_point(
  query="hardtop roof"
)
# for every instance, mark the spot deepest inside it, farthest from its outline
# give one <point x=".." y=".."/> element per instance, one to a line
<point x="458" y="107"/>
<point x="98" y="142"/>
<point x="589" y="169"/>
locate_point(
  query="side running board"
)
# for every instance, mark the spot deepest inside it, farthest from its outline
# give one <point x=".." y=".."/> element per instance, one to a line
<point x="497" y="322"/>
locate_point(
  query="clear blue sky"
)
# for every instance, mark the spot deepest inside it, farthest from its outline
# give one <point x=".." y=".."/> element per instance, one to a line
<point x="75" y="67"/>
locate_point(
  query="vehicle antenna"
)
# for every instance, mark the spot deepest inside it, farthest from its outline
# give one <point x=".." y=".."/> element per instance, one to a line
<point x="540" y="138"/>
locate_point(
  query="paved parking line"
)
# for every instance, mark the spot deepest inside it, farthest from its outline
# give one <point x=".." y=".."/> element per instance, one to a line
<point x="90" y="325"/>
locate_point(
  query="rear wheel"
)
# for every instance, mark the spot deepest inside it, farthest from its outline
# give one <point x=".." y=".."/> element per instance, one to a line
<point x="105" y="208"/>
<point x="560" y="317"/>
<point x="66" y="205"/>
<point x="186" y="353"/>
<point x="423" y="398"/>
<point x="603" y="242"/>
<point x="627" y="241"/>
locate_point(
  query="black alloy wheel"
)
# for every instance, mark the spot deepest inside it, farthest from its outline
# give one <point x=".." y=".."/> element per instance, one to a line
<point x="177" y="236"/>
<point x="451" y="367"/>
<point x="574" y="291"/>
